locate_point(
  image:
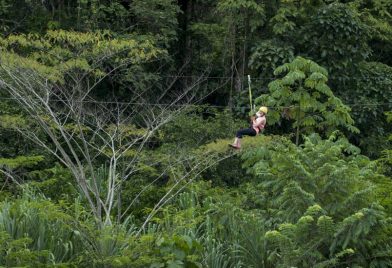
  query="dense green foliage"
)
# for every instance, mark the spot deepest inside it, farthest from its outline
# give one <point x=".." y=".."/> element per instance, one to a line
<point x="115" y="118"/>
<point x="303" y="96"/>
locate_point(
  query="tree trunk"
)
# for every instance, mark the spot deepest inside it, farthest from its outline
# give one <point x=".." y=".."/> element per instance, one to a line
<point x="185" y="39"/>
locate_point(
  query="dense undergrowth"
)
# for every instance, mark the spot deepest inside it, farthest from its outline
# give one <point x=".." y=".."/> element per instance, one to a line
<point x="322" y="204"/>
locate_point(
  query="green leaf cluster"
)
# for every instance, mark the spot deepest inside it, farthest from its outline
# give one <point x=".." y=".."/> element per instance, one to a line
<point x="303" y="96"/>
<point x="324" y="199"/>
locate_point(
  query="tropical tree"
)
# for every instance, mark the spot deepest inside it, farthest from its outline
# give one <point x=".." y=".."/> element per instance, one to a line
<point x="371" y="88"/>
<point x="324" y="203"/>
<point x="377" y="16"/>
<point x="59" y="97"/>
<point x="337" y="38"/>
<point x="303" y="96"/>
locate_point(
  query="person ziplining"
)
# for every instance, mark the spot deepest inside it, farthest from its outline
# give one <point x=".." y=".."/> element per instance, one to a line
<point x="258" y="123"/>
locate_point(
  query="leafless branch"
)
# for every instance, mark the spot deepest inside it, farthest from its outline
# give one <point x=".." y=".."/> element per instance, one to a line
<point x="84" y="133"/>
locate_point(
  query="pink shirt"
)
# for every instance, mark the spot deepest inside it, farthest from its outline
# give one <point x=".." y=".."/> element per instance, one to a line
<point x="259" y="124"/>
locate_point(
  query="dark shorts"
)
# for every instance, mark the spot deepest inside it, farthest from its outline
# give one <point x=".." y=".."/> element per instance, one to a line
<point x="246" y="131"/>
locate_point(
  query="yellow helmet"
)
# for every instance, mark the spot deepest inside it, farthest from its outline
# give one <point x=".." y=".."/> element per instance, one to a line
<point x="263" y="109"/>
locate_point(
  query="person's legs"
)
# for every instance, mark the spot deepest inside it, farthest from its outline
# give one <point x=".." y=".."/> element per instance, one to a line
<point x="240" y="134"/>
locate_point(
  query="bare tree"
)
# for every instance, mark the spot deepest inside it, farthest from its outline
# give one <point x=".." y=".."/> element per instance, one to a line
<point x="82" y="133"/>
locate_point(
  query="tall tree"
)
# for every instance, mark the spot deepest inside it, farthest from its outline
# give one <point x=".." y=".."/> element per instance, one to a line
<point x="303" y="96"/>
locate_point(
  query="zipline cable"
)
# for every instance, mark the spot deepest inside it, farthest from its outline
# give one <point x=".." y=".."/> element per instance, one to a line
<point x="193" y="105"/>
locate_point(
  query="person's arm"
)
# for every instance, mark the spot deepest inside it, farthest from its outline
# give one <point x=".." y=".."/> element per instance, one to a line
<point x="259" y="122"/>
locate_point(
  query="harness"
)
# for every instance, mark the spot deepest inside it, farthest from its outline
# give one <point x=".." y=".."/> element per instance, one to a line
<point x="260" y="128"/>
